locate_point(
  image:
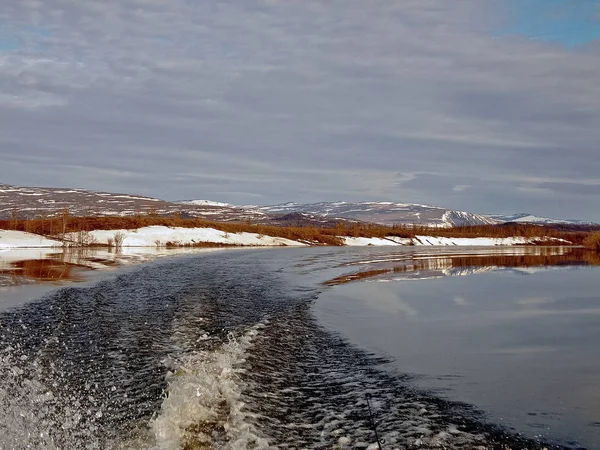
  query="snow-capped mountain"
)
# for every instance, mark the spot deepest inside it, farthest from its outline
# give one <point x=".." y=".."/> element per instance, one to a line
<point x="387" y="213"/>
<point x="530" y="218"/>
<point x="204" y="203"/>
<point x="30" y="202"/>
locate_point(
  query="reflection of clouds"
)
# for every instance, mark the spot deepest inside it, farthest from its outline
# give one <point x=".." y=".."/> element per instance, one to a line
<point x="546" y="306"/>
<point x="460" y="301"/>
<point x="537" y="312"/>
<point x="389" y="302"/>
<point x="524" y="350"/>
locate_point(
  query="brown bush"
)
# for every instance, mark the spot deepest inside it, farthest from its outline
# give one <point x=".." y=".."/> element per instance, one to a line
<point x="504" y="231"/>
<point x="592" y="241"/>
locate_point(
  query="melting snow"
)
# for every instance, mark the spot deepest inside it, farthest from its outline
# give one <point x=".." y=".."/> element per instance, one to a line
<point x="158" y="236"/>
<point x="20" y="239"/>
<point x="445" y="241"/>
<point x="155" y="236"/>
<point x="479" y="241"/>
<point x="360" y="241"/>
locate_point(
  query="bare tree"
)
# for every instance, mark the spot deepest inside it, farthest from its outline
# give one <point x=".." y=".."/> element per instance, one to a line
<point x="65" y="218"/>
<point x="14" y="218"/>
<point x="118" y="239"/>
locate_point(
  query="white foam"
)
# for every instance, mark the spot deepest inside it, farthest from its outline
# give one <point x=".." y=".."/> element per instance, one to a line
<point x="202" y="406"/>
<point x="32" y="416"/>
<point x="203" y="401"/>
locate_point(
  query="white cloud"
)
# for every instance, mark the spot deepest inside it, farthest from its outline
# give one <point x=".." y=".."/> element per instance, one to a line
<point x="461" y="187"/>
<point x="335" y="98"/>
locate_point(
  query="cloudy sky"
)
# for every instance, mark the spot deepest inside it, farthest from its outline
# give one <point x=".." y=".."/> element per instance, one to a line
<point x="487" y="106"/>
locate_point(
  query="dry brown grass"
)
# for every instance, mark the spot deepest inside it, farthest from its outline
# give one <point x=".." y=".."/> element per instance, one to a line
<point x="54" y="226"/>
<point x="503" y="231"/>
<point x="592" y="241"/>
<point x="592" y="257"/>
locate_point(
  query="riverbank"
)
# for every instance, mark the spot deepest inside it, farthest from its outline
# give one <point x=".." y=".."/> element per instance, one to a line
<point x="157" y="236"/>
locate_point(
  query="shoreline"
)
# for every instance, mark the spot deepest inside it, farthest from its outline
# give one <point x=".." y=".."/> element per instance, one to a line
<point x="178" y="237"/>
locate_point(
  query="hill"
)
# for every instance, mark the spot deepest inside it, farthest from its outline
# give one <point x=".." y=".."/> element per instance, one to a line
<point x="385" y="213"/>
<point x="530" y="218"/>
<point x="30" y="202"/>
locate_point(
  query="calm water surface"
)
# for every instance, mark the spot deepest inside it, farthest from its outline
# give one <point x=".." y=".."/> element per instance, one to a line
<point x="288" y="348"/>
<point x="520" y="344"/>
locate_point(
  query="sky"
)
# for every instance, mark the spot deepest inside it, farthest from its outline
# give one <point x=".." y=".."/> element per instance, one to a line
<point x="490" y="106"/>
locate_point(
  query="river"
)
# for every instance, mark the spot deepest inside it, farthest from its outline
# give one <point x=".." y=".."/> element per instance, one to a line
<point x="306" y="348"/>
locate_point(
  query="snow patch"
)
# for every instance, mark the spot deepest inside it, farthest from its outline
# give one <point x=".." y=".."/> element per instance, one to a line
<point x="361" y="241"/>
<point x="157" y="236"/>
<point x="20" y="239"/>
<point x="532" y="219"/>
<point x="478" y="241"/>
<point x="205" y="203"/>
<point x="451" y="241"/>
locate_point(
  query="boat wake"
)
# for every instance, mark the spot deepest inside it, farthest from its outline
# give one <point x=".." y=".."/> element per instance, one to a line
<point x="202" y="407"/>
<point x="208" y="353"/>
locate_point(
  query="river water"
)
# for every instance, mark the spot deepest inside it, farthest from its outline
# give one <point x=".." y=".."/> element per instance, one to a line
<point x="308" y="348"/>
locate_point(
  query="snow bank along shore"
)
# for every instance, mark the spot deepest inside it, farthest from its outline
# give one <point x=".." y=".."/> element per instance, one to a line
<point x="20" y="239"/>
<point x="459" y="242"/>
<point x="158" y="236"/>
<point x="161" y="236"/>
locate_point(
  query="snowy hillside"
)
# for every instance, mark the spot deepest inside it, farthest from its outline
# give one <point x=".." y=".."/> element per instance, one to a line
<point x="30" y="202"/>
<point x="530" y="218"/>
<point x="388" y="213"/>
<point x="204" y="203"/>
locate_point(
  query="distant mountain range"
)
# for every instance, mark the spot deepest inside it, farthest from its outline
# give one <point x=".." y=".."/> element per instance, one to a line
<point x="530" y="218"/>
<point x="387" y="213"/>
<point x="30" y="202"/>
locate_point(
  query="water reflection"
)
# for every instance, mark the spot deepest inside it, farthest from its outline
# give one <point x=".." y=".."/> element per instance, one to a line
<point x="466" y="262"/>
<point x="42" y="270"/>
<point x="518" y="341"/>
<point x="30" y="266"/>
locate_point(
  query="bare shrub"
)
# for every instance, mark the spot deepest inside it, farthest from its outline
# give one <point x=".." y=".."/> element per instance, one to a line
<point x="83" y="238"/>
<point x="118" y="238"/>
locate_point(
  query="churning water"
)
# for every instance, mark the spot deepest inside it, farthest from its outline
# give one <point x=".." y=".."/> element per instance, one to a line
<point x="225" y="350"/>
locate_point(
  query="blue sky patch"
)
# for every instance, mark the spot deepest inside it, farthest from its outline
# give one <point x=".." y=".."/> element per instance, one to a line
<point x="13" y="37"/>
<point x="567" y="22"/>
<point x="8" y="43"/>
